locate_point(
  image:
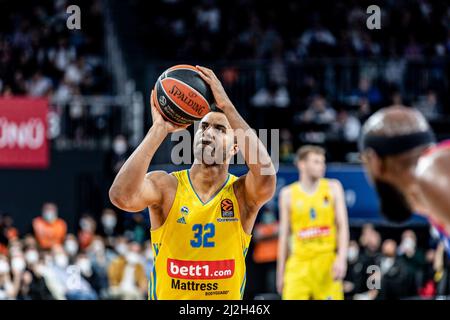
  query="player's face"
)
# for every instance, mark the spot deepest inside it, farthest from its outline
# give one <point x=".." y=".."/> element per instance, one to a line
<point x="214" y="140"/>
<point x="314" y="165"/>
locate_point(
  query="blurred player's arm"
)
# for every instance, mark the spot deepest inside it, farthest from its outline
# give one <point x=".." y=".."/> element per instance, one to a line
<point x="133" y="188"/>
<point x="283" y="241"/>
<point x="341" y="216"/>
<point x="434" y="180"/>
<point x="260" y="181"/>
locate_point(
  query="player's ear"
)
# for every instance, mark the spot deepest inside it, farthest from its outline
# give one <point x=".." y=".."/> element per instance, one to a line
<point x="374" y="162"/>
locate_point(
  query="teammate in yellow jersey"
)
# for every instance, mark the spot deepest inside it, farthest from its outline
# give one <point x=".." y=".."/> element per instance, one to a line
<point x="314" y="235"/>
<point x="201" y="218"/>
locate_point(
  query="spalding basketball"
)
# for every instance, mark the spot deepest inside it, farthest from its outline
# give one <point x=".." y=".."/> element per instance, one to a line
<point x="181" y="95"/>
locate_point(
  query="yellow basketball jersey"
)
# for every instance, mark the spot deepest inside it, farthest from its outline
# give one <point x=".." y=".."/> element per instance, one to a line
<point x="313" y="227"/>
<point x="199" y="252"/>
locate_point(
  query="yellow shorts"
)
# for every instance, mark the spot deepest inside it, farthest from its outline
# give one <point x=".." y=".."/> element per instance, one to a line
<point x="311" y="279"/>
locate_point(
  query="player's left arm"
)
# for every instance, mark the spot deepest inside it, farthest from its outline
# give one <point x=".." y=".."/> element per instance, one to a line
<point x="342" y="229"/>
<point x="260" y="181"/>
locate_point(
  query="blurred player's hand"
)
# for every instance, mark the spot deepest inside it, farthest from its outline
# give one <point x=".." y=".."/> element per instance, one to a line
<point x="159" y="121"/>
<point x="280" y="283"/>
<point x="339" y="268"/>
<point x="220" y="96"/>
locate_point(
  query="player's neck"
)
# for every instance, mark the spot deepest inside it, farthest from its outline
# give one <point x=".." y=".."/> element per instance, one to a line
<point x="308" y="184"/>
<point x="208" y="179"/>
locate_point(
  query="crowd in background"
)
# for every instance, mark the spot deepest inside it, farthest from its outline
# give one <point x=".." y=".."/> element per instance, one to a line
<point x="106" y="259"/>
<point x="41" y="57"/>
<point x="111" y="258"/>
<point x="379" y="267"/>
<point x="311" y="68"/>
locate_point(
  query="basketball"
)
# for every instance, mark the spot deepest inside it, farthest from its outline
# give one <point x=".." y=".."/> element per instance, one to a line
<point x="182" y="96"/>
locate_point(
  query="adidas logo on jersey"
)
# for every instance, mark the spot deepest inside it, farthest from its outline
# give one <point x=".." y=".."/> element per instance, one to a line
<point x="181" y="220"/>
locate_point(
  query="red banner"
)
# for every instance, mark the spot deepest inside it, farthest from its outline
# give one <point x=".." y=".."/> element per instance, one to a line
<point x="23" y="133"/>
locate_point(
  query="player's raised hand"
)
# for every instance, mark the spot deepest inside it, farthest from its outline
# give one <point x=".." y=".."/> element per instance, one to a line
<point x="220" y="96"/>
<point x="159" y="121"/>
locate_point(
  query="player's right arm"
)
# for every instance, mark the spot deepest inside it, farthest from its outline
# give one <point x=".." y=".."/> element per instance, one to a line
<point x="133" y="188"/>
<point x="284" y="233"/>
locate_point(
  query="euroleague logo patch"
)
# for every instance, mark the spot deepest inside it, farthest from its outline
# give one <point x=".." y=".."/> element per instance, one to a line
<point x="227" y="209"/>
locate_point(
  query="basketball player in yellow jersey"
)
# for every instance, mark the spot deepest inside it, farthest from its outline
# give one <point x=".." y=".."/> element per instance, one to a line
<point x="201" y="218"/>
<point x="314" y="235"/>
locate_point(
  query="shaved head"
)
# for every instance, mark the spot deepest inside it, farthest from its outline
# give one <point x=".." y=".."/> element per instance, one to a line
<point x="395" y="121"/>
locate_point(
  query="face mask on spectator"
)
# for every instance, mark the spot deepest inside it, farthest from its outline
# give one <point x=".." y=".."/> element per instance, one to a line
<point x="386" y="264"/>
<point x="4" y="267"/>
<point x="18" y="264"/>
<point x="121" y="248"/>
<point x="61" y="260"/>
<point x="109" y="221"/>
<point x="98" y="247"/>
<point x="408" y="244"/>
<point x="71" y="247"/>
<point x="49" y="215"/>
<point x="31" y="256"/>
<point x="352" y="253"/>
<point x="132" y="258"/>
<point x="119" y="146"/>
<point x="84" y="265"/>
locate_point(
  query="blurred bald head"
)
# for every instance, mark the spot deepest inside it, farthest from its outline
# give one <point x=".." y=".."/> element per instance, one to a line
<point x="395" y="121"/>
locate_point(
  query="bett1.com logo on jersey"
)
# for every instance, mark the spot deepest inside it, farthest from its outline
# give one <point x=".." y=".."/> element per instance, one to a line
<point x="183" y="269"/>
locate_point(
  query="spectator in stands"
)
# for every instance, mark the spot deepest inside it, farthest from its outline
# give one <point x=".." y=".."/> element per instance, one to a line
<point x="6" y="286"/>
<point x="59" y="276"/>
<point x="109" y="226"/>
<point x="356" y="277"/>
<point x="71" y="246"/>
<point x="345" y="128"/>
<point x="370" y="242"/>
<point x="319" y="111"/>
<point x="408" y="252"/>
<point x="442" y="271"/>
<point x="48" y="229"/>
<point x="429" y="105"/>
<point x="265" y="237"/>
<point x="39" y="85"/>
<point x="38" y="289"/>
<point x="7" y="232"/>
<point x="100" y="258"/>
<point x="89" y="274"/>
<point x="86" y="234"/>
<point x="397" y="281"/>
<point x="127" y="275"/>
<point x="273" y="95"/>
<point x="148" y="258"/>
<point x="119" y="153"/>
<point x="367" y="90"/>
<point x="316" y="41"/>
<point x="427" y="289"/>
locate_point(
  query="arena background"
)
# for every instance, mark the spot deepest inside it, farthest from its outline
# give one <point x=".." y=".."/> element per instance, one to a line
<point x="309" y="68"/>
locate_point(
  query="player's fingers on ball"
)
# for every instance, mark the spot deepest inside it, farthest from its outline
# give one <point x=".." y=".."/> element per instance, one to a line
<point x="205" y="78"/>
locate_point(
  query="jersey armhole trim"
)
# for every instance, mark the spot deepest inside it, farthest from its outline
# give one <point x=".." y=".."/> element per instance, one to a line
<point x="170" y="210"/>
<point x="240" y="215"/>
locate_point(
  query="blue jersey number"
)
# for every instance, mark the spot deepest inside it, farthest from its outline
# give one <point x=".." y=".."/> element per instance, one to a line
<point x="202" y="235"/>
